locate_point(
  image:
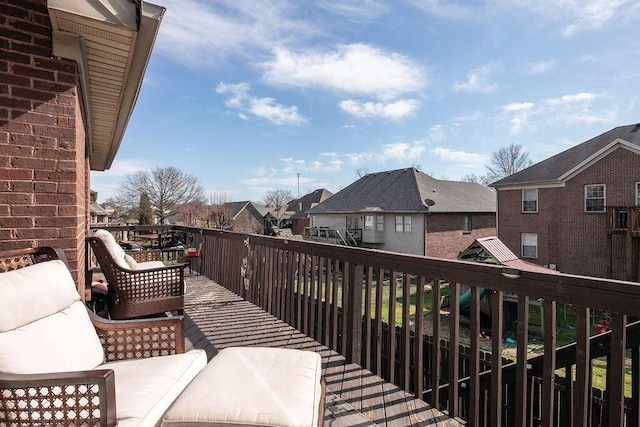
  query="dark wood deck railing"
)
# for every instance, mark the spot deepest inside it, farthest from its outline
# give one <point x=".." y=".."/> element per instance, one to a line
<point x="334" y="294"/>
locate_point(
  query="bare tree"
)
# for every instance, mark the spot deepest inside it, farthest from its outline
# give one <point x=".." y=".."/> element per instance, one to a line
<point x="360" y="172"/>
<point x="477" y="179"/>
<point x="507" y="161"/>
<point x="168" y="188"/>
<point x="276" y="199"/>
<point x="219" y="214"/>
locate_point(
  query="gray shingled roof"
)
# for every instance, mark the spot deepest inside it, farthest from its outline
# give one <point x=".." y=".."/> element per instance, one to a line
<point x="554" y="168"/>
<point x="405" y="190"/>
<point x="308" y="200"/>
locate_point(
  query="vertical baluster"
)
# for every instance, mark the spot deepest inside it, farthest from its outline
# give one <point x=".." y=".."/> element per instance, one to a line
<point x="299" y="291"/>
<point x="391" y="368"/>
<point x="334" y="305"/>
<point x="497" y="316"/>
<point x="454" y="347"/>
<point x="474" y="359"/>
<point x="406" y="333"/>
<point x="354" y="314"/>
<point x="367" y="318"/>
<point x="379" y="290"/>
<point x="549" y="363"/>
<point x="318" y="302"/>
<point x="583" y="368"/>
<point x="616" y="370"/>
<point x="327" y="302"/>
<point x="634" y="418"/>
<point x="418" y="344"/>
<point x="313" y="285"/>
<point x="436" y="355"/>
<point x="521" y="368"/>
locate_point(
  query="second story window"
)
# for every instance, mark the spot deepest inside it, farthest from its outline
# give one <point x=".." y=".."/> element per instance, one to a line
<point x="403" y="224"/>
<point x="637" y="193"/>
<point x="530" y="200"/>
<point x="529" y="245"/>
<point x="594" y="198"/>
<point x="466" y="224"/>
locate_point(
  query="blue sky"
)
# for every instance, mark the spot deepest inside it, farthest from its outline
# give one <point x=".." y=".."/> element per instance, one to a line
<point x="247" y="94"/>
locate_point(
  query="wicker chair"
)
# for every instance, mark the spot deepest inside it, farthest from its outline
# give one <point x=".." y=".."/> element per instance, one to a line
<point x="137" y="289"/>
<point x="54" y="370"/>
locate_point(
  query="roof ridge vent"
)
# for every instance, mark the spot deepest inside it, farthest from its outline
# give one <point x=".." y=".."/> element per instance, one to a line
<point x="636" y="128"/>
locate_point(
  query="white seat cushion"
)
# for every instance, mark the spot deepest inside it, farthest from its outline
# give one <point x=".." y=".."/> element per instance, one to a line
<point x="44" y="327"/>
<point x="146" y="387"/>
<point x="252" y="386"/>
<point x="116" y="251"/>
<point x="148" y="265"/>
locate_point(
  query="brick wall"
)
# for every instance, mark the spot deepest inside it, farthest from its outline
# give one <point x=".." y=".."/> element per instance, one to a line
<point x="445" y="238"/>
<point x="247" y="222"/>
<point x="567" y="236"/>
<point x="43" y="162"/>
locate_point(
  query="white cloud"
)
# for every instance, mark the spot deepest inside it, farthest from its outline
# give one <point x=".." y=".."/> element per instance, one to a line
<point x="205" y="33"/>
<point x="403" y="151"/>
<point x="357" y="69"/>
<point x="355" y="10"/>
<point x="266" y="108"/>
<point x="358" y="158"/>
<point x="518" y="106"/>
<point x="571" y="16"/>
<point x="394" y="111"/>
<point x="123" y="167"/>
<point x="444" y="9"/>
<point x="477" y="81"/>
<point x="469" y="159"/>
<point x="540" y="67"/>
<point x="436" y="132"/>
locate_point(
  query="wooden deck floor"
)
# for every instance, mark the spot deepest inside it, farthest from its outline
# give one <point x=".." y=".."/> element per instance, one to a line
<point x="216" y="318"/>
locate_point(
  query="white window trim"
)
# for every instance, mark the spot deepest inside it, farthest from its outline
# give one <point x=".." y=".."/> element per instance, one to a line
<point x="522" y="236"/>
<point x="604" y="197"/>
<point x="523" y="200"/>
<point x="404" y="225"/>
<point x="369" y="222"/>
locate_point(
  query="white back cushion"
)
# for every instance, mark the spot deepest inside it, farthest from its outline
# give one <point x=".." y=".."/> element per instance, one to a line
<point x="44" y="326"/>
<point x="116" y="251"/>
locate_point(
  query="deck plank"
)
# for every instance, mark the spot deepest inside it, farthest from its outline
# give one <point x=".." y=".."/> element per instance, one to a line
<point x="216" y="318"/>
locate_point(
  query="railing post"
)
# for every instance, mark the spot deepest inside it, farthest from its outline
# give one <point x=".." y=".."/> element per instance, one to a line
<point x="354" y="313"/>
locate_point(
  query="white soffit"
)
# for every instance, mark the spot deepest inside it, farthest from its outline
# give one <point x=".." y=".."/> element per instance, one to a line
<point x="111" y="40"/>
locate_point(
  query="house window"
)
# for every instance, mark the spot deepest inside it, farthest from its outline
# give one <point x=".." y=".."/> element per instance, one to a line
<point x="403" y="224"/>
<point x="594" y="198"/>
<point x="379" y="223"/>
<point x="466" y="224"/>
<point x="314" y="221"/>
<point x="530" y="200"/>
<point x="529" y="245"/>
<point x="637" y="193"/>
<point x="368" y="222"/>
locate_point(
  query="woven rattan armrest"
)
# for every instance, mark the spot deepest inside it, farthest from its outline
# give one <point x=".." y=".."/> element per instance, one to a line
<point x="63" y="398"/>
<point x="139" y="338"/>
<point x="149" y="255"/>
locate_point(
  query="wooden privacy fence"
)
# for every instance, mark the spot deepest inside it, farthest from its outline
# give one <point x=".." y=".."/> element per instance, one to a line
<point x="306" y="283"/>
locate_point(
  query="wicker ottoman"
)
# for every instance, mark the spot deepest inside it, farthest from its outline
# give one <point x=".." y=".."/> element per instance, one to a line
<point x="253" y="386"/>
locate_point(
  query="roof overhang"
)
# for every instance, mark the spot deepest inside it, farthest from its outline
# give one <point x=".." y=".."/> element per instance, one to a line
<point x="111" y="41"/>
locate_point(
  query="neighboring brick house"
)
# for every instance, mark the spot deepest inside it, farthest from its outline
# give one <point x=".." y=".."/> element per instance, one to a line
<point x="578" y="210"/>
<point x="300" y="219"/>
<point x="243" y="217"/>
<point x="70" y="73"/>
<point x="407" y="211"/>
